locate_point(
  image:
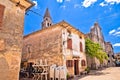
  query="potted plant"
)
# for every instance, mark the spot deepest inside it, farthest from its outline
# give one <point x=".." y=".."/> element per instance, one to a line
<point x="69" y="77"/>
<point x="87" y="69"/>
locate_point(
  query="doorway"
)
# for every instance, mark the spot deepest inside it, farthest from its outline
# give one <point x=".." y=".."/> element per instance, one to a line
<point x="76" y="67"/>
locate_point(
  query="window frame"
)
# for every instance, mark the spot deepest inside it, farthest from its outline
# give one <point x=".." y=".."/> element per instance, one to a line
<point x="83" y="63"/>
<point x="69" y="63"/>
<point x="81" y="47"/>
<point x="69" y="43"/>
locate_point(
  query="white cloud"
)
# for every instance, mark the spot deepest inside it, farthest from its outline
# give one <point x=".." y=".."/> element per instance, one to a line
<point x="112" y="31"/>
<point x="111" y="2"/>
<point x="76" y="5"/>
<point x="63" y="6"/>
<point x="60" y="1"/>
<point x="115" y="32"/>
<point x="116" y="45"/>
<point x="103" y="4"/>
<point x="87" y="3"/>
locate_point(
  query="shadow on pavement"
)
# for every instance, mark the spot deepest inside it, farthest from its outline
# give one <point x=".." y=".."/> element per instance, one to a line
<point x="92" y="73"/>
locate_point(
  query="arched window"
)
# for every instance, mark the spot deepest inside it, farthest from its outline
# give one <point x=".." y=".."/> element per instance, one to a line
<point x="28" y="47"/>
<point x="69" y="43"/>
<point x="81" y="47"/>
<point x="83" y="63"/>
<point x="46" y="19"/>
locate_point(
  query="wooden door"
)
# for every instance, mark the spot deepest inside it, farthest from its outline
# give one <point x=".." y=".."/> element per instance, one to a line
<point x="76" y="67"/>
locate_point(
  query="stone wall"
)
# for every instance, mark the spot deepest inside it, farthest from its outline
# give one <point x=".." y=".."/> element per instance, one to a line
<point x="110" y="53"/>
<point x="74" y="53"/>
<point x="96" y="36"/>
<point x="11" y="33"/>
<point x="44" y="44"/>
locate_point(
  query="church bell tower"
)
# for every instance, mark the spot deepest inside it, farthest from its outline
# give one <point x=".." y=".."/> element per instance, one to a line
<point x="47" y="21"/>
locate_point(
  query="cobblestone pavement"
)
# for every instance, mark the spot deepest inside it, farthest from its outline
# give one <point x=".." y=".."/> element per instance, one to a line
<point x="112" y="73"/>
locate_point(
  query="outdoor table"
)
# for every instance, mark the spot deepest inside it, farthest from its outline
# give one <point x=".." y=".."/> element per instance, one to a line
<point x="40" y="71"/>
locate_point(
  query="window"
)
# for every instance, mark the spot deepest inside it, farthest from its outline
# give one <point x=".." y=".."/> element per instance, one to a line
<point x="81" y="47"/>
<point x="1" y="14"/>
<point x="28" y="46"/>
<point x="48" y="24"/>
<point x="46" y="19"/>
<point x="83" y="63"/>
<point x="80" y="37"/>
<point x="69" y="63"/>
<point x="108" y="61"/>
<point x="69" y="43"/>
<point x="29" y="50"/>
<point x="108" y="55"/>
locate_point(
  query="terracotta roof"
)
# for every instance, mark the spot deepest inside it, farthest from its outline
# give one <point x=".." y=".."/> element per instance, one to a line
<point x="62" y="24"/>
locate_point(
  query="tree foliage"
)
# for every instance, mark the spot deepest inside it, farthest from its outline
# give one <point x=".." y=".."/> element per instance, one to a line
<point x="95" y="50"/>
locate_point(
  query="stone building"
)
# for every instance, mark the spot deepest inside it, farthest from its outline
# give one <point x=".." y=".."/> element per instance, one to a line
<point x="96" y="36"/>
<point x="11" y="36"/>
<point x="110" y="53"/>
<point x="59" y="44"/>
<point x="117" y="56"/>
<point x="117" y="59"/>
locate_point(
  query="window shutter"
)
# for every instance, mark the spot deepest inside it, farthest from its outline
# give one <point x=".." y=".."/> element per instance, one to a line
<point x="69" y="63"/>
<point x="69" y="43"/>
<point x="81" y="47"/>
<point x="83" y="63"/>
<point x="1" y="14"/>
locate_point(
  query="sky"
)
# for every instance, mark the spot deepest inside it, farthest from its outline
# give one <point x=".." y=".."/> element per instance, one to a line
<point x="81" y="14"/>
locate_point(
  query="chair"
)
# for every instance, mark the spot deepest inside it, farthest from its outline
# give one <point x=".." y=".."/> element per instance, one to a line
<point x="52" y="72"/>
<point x="40" y="62"/>
<point x="63" y="73"/>
<point x="57" y="73"/>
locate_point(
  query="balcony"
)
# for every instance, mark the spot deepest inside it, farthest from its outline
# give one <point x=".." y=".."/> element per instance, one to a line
<point x="76" y="53"/>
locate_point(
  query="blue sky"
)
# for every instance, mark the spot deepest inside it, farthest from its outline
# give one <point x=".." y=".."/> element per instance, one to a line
<point x="81" y="14"/>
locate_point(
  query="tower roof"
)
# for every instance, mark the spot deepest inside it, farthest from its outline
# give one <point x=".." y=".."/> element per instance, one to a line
<point x="96" y="24"/>
<point x="47" y="13"/>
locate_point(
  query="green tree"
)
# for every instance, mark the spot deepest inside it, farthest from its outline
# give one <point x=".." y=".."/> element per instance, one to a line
<point x="95" y="50"/>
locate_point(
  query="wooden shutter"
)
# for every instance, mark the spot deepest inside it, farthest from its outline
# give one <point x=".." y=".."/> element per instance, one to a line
<point x="1" y="14"/>
<point x="83" y="63"/>
<point x="81" y="47"/>
<point x="69" y="43"/>
<point x="69" y="63"/>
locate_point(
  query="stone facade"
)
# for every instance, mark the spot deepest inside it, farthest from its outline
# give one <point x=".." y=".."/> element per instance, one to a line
<point x="52" y="44"/>
<point x="96" y="36"/>
<point x="117" y="57"/>
<point x="44" y="44"/>
<point x="59" y="44"/>
<point x="110" y="53"/>
<point x="11" y="37"/>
